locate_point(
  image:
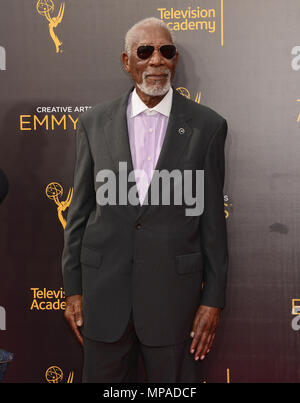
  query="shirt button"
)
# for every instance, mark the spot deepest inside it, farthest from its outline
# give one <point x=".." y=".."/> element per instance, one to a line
<point x="138" y="225"/>
<point x="149" y="158"/>
<point x="150" y="130"/>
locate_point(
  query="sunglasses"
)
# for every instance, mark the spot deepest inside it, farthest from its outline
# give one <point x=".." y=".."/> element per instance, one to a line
<point x="145" y="51"/>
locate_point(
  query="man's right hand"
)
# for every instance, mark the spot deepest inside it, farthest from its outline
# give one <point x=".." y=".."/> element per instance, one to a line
<point x="73" y="314"/>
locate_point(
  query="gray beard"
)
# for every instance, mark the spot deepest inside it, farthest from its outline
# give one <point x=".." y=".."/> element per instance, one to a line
<point x="154" y="90"/>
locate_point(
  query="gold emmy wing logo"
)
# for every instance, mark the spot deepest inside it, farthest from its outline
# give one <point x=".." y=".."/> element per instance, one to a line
<point x="46" y="8"/>
<point x="55" y="375"/>
<point x="186" y="93"/>
<point x="54" y="191"/>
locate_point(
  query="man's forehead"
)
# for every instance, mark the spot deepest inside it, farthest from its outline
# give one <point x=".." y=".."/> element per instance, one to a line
<point x="152" y="35"/>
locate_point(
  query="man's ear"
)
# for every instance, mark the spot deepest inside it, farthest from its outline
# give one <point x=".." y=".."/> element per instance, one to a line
<point x="125" y="61"/>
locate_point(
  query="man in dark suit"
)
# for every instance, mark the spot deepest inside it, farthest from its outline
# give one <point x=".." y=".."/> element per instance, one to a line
<point x="146" y="278"/>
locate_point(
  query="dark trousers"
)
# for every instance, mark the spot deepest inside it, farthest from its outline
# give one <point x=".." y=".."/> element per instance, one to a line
<point x="118" y="361"/>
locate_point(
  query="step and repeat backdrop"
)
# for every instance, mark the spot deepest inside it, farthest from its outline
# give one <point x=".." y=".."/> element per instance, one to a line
<point x="241" y="58"/>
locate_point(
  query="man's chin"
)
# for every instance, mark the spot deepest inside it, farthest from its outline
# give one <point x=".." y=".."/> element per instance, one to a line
<point x="154" y="90"/>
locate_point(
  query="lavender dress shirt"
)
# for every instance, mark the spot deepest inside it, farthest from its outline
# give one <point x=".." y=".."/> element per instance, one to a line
<point x="146" y="129"/>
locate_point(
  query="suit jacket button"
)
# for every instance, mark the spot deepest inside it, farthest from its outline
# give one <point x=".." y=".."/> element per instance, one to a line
<point x="138" y="225"/>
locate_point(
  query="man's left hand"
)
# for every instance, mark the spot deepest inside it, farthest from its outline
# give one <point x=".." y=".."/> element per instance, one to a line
<point x="204" y="330"/>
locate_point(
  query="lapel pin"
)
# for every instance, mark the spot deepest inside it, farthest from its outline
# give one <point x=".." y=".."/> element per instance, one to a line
<point x="181" y="130"/>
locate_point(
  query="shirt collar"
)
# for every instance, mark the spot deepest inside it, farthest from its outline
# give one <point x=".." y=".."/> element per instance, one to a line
<point x="163" y="107"/>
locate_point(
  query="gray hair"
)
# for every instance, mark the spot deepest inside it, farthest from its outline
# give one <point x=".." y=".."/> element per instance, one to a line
<point x="131" y="34"/>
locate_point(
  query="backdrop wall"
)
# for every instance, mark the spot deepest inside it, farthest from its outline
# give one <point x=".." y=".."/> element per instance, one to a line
<point x="242" y="59"/>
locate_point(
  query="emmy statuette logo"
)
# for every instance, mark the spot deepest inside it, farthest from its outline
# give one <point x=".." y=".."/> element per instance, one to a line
<point x="186" y="93"/>
<point x="54" y="191"/>
<point x="46" y="8"/>
<point x="2" y="58"/>
<point x="54" y="374"/>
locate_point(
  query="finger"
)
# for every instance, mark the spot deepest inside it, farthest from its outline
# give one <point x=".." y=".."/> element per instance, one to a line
<point x="210" y="344"/>
<point x="74" y="327"/>
<point x="205" y="331"/>
<point x="193" y="332"/>
<point x="78" y="317"/>
<point x="73" y="314"/>
<point x="205" y="349"/>
<point x="195" y="325"/>
<point x="77" y="334"/>
<point x="197" y="336"/>
<point x="202" y="346"/>
<point x="195" y="341"/>
<point x="206" y="345"/>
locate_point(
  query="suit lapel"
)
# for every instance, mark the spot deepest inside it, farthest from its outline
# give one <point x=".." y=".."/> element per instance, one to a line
<point x="117" y="140"/>
<point x="116" y="133"/>
<point x="176" y="138"/>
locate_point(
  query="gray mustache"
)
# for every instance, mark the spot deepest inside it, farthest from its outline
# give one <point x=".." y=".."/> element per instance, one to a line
<point x="150" y="73"/>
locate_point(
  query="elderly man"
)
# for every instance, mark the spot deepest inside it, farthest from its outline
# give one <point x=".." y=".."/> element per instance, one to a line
<point x="146" y="278"/>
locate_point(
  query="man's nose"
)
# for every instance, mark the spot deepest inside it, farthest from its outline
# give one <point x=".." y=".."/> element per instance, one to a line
<point x="156" y="58"/>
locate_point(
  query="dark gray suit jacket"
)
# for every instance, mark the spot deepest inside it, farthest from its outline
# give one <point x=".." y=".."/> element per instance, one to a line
<point x="150" y="258"/>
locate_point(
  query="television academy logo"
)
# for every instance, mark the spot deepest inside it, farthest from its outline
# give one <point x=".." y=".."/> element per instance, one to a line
<point x="47" y="300"/>
<point x="2" y="58"/>
<point x="194" y="19"/>
<point x="2" y="318"/>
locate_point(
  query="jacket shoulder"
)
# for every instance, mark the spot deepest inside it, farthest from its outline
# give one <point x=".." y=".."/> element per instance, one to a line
<point x="203" y="116"/>
<point x="99" y="110"/>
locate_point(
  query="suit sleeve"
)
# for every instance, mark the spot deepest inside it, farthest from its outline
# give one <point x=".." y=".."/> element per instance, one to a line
<point x="81" y="205"/>
<point x="213" y="222"/>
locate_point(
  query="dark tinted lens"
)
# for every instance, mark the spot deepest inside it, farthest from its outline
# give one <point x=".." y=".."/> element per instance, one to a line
<point x="168" y="51"/>
<point x="144" y="52"/>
